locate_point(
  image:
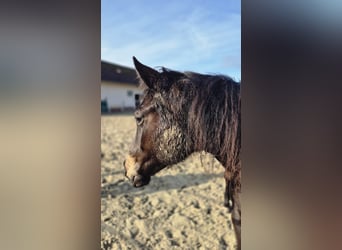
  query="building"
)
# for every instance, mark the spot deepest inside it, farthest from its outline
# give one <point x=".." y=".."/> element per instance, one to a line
<point x="119" y="88"/>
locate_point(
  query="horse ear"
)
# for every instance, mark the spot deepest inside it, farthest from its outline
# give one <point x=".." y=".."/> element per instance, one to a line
<point x="148" y="75"/>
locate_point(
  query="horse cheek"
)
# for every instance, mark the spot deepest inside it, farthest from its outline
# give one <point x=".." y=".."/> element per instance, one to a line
<point x="171" y="146"/>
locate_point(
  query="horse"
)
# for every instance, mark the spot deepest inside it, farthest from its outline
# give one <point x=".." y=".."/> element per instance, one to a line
<point x="185" y="112"/>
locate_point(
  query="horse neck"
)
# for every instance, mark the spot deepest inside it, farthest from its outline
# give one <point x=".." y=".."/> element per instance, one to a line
<point x="216" y="128"/>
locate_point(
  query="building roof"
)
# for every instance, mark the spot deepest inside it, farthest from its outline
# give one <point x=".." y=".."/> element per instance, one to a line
<point x="116" y="73"/>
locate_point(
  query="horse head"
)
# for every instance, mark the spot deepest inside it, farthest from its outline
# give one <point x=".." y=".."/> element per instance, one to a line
<point x="160" y="137"/>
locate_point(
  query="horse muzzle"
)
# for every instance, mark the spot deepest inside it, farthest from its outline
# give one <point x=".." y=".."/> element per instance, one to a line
<point x="131" y="172"/>
<point x="139" y="180"/>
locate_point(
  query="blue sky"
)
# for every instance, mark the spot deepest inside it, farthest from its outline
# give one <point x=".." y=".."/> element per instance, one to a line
<point x="202" y="36"/>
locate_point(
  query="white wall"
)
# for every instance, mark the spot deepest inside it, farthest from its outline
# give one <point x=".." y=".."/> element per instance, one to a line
<point x="116" y="95"/>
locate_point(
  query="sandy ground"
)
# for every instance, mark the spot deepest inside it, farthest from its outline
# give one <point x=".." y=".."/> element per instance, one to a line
<point x="181" y="208"/>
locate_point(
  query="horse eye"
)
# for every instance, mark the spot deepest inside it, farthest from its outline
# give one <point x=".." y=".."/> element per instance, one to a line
<point x="139" y="120"/>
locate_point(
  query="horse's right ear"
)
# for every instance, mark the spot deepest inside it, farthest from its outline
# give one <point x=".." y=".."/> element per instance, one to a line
<point x="148" y="75"/>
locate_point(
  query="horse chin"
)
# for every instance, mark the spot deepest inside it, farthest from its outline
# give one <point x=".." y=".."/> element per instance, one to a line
<point x="139" y="180"/>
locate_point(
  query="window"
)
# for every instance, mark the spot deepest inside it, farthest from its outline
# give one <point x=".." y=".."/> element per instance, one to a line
<point x="129" y="93"/>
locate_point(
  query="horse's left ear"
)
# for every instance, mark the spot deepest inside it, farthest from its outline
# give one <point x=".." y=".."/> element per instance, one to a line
<point x="147" y="74"/>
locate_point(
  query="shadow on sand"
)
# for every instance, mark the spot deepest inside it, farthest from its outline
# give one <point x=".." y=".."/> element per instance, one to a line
<point x="157" y="184"/>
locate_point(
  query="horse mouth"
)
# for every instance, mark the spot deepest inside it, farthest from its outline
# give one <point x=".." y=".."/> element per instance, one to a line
<point x="139" y="180"/>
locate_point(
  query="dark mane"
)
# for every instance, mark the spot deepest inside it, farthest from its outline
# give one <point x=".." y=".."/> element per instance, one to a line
<point x="215" y="118"/>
